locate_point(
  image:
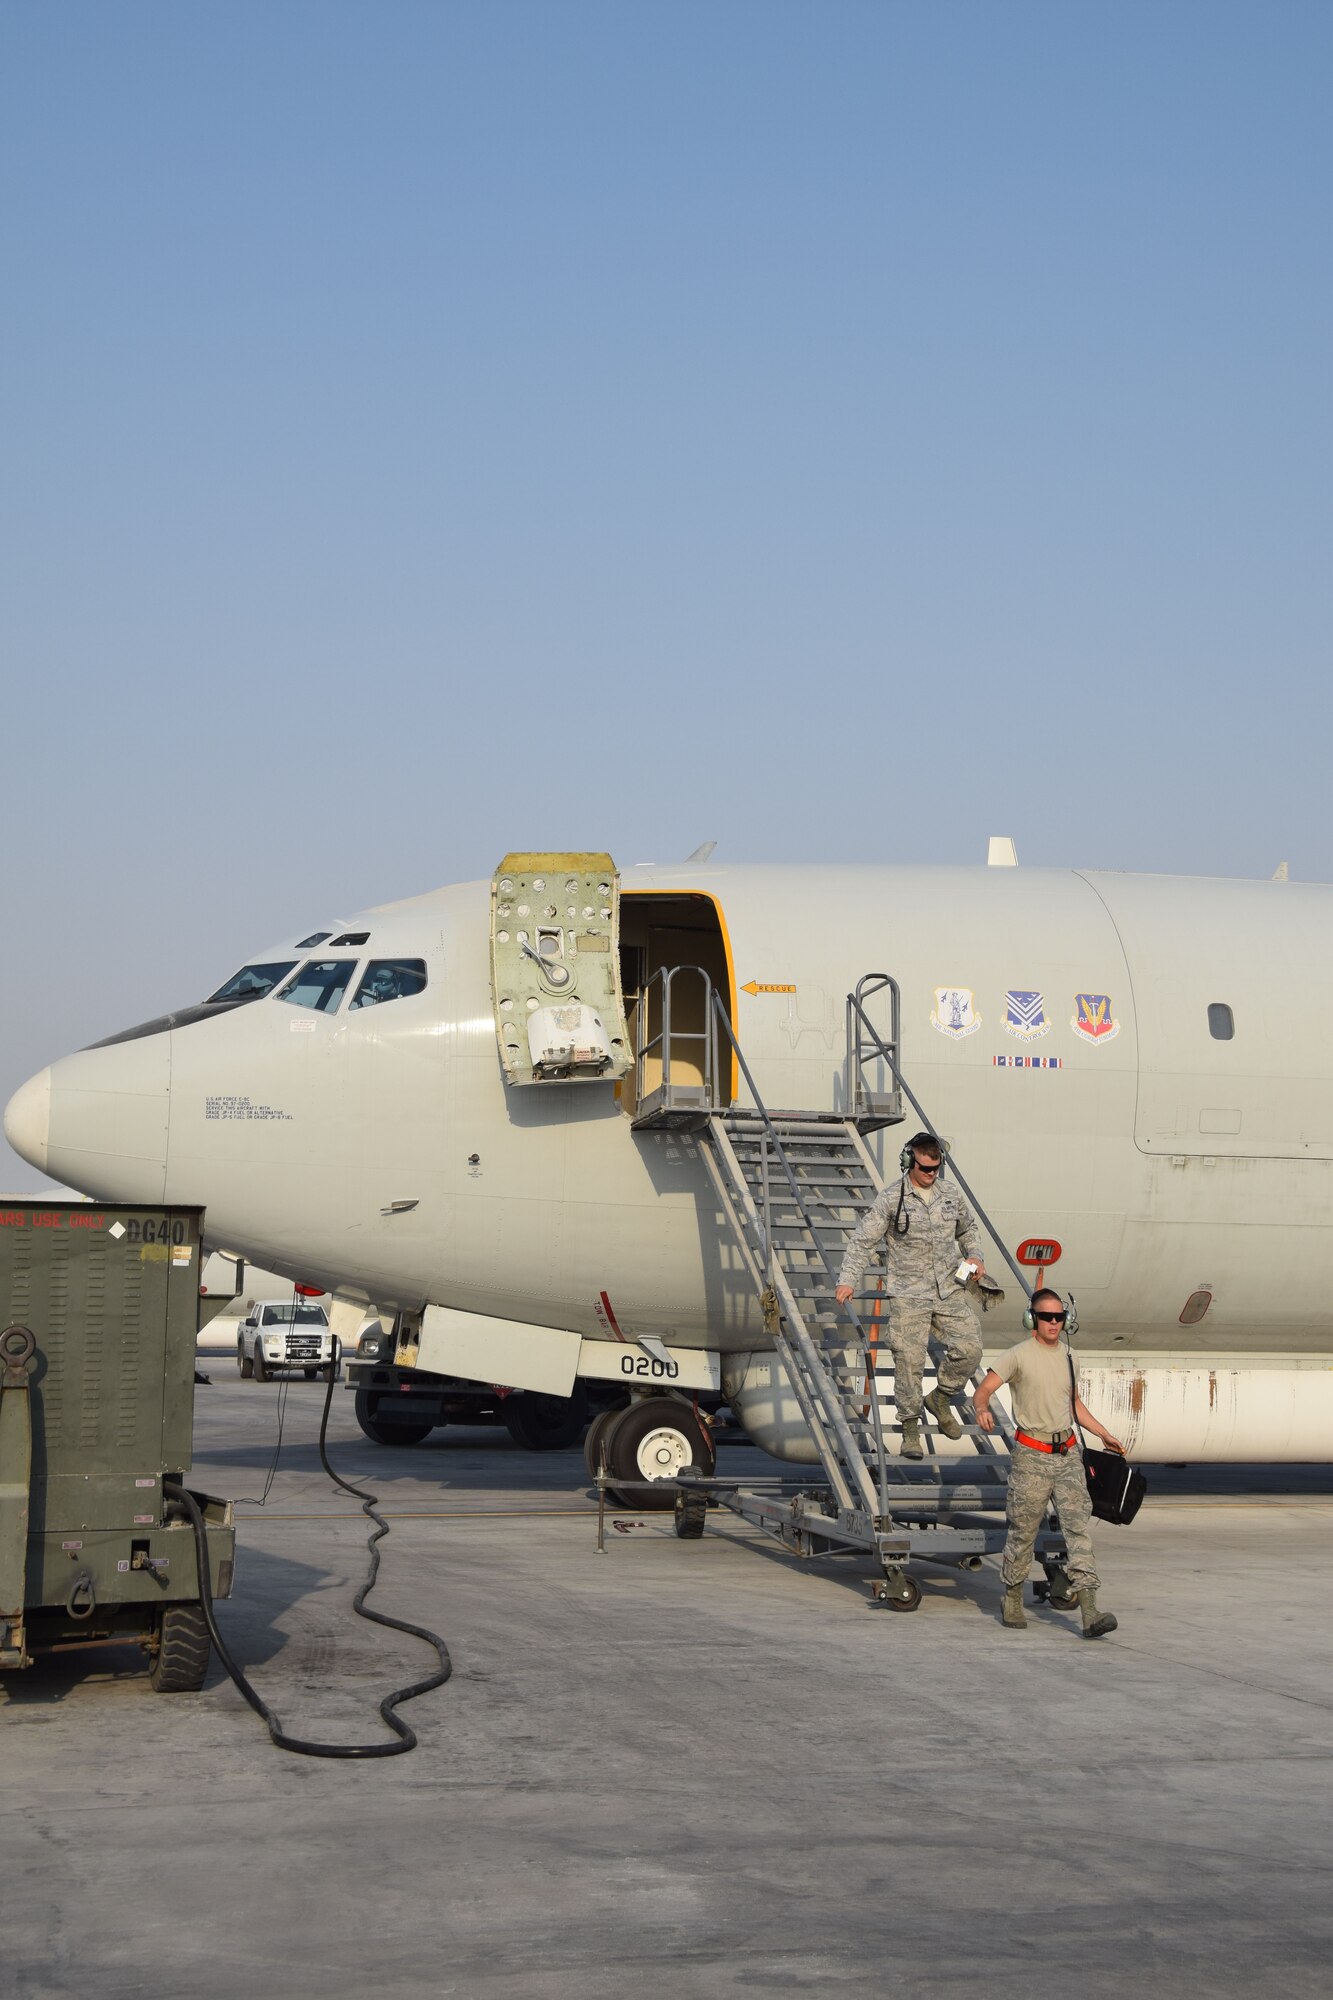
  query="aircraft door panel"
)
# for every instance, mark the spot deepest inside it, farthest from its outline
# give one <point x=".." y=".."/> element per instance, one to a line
<point x="555" y="968"/>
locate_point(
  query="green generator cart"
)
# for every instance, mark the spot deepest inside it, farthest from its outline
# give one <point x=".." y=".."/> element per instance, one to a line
<point x="99" y="1310"/>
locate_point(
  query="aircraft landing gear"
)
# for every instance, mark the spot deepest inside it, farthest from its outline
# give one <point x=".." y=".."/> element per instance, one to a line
<point x="655" y="1438"/>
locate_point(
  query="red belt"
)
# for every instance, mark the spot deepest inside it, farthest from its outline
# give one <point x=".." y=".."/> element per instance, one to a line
<point x="1035" y="1444"/>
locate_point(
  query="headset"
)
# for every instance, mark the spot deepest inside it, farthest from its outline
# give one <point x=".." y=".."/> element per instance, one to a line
<point x="902" y="1220"/>
<point x="907" y="1157"/>
<point x="1071" y="1312"/>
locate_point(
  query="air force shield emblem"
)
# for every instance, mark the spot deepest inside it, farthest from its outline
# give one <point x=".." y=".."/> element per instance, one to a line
<point x="954" y="1015"/>
<point x="1024" y="1016"/>
<point x="1093" y="1020"/>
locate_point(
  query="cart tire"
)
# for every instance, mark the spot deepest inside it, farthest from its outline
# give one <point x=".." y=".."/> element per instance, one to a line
<point x="1060" y="1593"/>
<point x="181" y="1660"/>
<point x="260" y="1367"/>
<point x="691" y="1514"/>
<point x="382" y="1429"/>
<point x="661" y="1431"/>
<point x="904" y="1595"/>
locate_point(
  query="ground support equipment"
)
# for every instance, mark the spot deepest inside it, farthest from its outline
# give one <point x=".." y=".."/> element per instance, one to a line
<point x="99" y="1311"/>
<point x="793" y="1185"/>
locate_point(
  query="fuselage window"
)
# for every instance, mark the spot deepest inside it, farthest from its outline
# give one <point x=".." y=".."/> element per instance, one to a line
<point x="252" y="982"/>
<point x="1221" y="1025"/>
<point x="320" y="984"/>
<point x="390" y="979"/>
<point x="315" y="937"/>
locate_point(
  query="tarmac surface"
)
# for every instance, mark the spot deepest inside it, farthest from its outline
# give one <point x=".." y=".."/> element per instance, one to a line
<point x="688" y="1768"/>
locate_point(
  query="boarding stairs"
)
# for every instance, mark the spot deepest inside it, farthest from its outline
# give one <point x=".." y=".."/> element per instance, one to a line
<point x="793" y="1186"/>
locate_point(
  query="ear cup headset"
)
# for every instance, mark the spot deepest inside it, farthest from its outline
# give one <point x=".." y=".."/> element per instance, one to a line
<point x="1071" y="1314"/>
<point x="902" y="1221"/>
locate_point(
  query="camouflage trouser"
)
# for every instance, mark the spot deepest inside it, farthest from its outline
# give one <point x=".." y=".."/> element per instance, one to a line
<point x="1035" y="1478"/>
<point x="955" y="1326"/>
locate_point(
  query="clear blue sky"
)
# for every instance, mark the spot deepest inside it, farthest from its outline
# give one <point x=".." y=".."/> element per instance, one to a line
<point x="432" y="429"/>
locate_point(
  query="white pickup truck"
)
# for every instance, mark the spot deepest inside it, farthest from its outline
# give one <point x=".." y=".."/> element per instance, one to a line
<point x="284" y="1333"/>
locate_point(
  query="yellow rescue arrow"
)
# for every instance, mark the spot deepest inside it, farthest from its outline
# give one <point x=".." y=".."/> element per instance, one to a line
<point x="757" y="986"/>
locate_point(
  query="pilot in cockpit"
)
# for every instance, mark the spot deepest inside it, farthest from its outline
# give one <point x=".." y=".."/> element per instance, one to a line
<point x="381" y="985"/>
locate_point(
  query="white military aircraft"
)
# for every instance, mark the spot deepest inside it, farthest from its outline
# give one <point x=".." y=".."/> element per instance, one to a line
<point x="433" y="1106"/>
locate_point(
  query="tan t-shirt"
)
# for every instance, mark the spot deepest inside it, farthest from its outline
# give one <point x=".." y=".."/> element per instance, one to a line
<point x="1038" y="1378"/>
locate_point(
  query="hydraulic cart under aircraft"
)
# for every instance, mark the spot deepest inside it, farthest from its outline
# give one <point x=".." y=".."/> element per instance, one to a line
<point x="793" y="1186"/>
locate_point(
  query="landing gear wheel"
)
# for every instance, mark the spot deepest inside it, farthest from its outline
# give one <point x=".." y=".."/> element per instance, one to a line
<point x="691" y="1514"/>
<point x="900" y="1592"/>
<point x="654" y="1440"/>
<point x="260" y="1367"/>
<point x="244" y="1364"/>
<point x="545" y="1423"/>
<point x="382" y="1428"/>
<point x="593" y="1436"/>
<point x="181" y="1659"/>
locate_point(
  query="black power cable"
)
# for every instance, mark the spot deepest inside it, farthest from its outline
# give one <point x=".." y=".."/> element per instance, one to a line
<point x="406" y="1735"/>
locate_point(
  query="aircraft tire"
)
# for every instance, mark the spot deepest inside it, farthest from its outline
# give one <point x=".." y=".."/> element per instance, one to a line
<point x="389" y="1430"/>
<point x="181" y="1660"/>
<point x="545" y="1423"/>
<point x="660" y="1431"/>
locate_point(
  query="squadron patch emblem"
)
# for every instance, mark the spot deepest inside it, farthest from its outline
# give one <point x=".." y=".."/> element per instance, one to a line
<point x="1024" y="1016"/>
<point x="1092" y="1019"/>
<point x="954" y="1015"/>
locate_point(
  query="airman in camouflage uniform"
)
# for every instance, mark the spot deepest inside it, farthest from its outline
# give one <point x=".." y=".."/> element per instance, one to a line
<point x="1046" y="1464"/>
<point x="926" y="1227"/>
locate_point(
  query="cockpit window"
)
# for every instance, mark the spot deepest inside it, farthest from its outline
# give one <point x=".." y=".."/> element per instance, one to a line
<point x="252" y="982"/>
<point x="315" y="937"/>
<point x="390" y="979"/>
<point x="320" y="984"/>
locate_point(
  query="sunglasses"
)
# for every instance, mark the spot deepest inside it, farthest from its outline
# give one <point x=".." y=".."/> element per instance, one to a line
<point x="927" y="1166"/>
<point x="1058" y="1318"/>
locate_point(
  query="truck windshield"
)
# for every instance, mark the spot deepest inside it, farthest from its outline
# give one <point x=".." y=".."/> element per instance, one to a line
<point x="252" y="982"/>
<point x="285" y="1315"/>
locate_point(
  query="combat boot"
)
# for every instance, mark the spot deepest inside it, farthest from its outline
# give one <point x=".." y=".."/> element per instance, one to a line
<point x="1012" y="1614"/>
<point x="937" y="1402"/>
<point x="911" y="1443"/>
<point x="1096" y="1624"/>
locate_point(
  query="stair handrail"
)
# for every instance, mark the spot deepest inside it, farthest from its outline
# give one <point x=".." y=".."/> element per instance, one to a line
<point x="665" y="976"/>
<point x="722" y="1020"/>
<point x="871" y="983"/>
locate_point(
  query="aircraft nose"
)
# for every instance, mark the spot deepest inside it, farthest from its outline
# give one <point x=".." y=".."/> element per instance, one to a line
<point x="28" y="1119"/>
<point x="98" y="1120"/>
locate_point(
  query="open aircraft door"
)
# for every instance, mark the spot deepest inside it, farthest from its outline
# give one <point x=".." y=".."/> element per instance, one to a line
<point x="555" y="969"/>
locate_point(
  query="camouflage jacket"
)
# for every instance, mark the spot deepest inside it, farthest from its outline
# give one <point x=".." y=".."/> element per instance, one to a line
<point x="939" y="1234"/>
